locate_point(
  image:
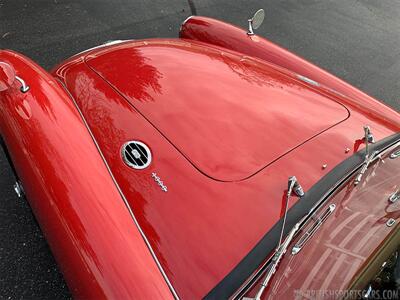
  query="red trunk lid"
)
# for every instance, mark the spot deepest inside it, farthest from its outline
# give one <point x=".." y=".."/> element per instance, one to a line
<point x="229" y="115"/>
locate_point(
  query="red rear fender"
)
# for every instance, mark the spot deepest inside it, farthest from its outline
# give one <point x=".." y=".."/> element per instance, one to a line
<point x="225" y="35"/>
<point x="81" y="212"/>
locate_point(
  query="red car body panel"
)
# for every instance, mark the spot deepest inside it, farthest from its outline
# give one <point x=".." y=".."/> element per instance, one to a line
<point x="201" y="228"/>
<point x="184" y="225"/>
<point x="347" y="241"/>
<point x="258" y="103"/>
<point x="214" y="32"/>
<point x="82" y="214"/>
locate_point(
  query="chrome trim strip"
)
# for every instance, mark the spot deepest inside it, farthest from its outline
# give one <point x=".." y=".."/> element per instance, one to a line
<point x="249" y="283"/>
<point x="183" y="23"/>
<point x="307" y="80"/>
<point x="326" y="196"/>
<point x="123" y="196"/>
<point x="108" y="43"/>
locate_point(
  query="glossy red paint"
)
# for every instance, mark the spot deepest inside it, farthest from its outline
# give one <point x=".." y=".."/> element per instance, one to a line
<point x="347" y="240"/>
<point x="195" y="244"/>
<point x="7" y="76"/>
<point x="214" y="32"/>
<point x="223" y="126"/>
<point x="201" y="228"/>
<point x="89" y="229"/>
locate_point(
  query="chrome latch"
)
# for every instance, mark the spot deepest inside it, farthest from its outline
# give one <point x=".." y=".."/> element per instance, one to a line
<point x="369" y="135"/>
<point x="295" y="186"/>
<point x="390" y="222"/>
<point x="394" y="197"/>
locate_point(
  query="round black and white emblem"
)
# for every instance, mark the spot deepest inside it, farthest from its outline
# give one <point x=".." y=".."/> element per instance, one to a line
<point x="136" y="155"/>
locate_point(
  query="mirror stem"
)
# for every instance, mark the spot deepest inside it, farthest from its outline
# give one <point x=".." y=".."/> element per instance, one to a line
<point x="250" y="32"/>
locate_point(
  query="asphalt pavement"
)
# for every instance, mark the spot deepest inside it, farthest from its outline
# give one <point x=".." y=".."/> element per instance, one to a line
<point x="359" y="41"/>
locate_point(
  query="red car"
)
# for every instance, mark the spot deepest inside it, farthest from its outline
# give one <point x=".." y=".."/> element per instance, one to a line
<point x="216" y="165"/>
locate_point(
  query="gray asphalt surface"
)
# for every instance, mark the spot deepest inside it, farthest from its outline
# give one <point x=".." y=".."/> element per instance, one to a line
<point x="358" y="41"/>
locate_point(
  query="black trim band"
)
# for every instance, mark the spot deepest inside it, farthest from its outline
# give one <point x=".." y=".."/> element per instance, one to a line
<point x="233" y="281"/>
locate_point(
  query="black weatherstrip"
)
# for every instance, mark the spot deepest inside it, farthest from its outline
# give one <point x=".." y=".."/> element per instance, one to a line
<point x="249" y="264"/>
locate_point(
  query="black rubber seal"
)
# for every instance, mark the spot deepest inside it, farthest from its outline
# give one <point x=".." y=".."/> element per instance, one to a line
<point x="249" y="264"/>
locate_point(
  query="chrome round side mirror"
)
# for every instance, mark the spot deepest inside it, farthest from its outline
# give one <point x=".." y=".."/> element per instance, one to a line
<point x="256" y="21"/>
<point x="7" y="76"/>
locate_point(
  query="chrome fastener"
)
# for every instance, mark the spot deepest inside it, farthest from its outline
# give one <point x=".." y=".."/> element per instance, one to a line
<point x="19" y="190"/>
<point x="390" y="222"/>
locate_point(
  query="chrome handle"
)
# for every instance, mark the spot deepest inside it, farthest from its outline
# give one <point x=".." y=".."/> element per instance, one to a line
<point x="24" y="87"/>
